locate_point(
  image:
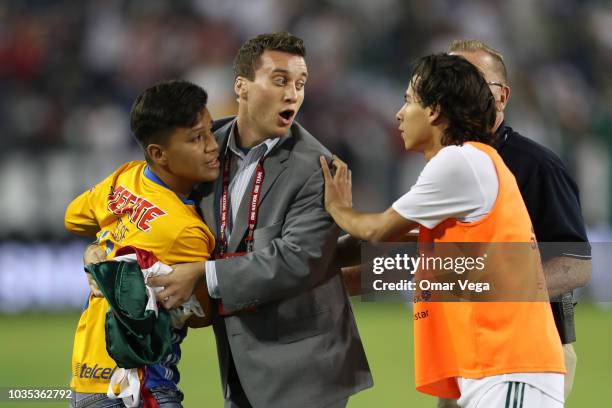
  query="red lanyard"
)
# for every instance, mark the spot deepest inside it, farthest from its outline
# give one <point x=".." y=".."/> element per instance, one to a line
<point x="253" y="205"/>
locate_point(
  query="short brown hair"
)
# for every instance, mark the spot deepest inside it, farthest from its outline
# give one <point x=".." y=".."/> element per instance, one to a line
<point x="477" y="45"/>
<point x="247" y="60"/>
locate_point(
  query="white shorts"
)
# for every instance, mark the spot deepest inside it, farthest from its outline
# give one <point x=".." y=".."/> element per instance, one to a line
<point x="500" y="392"/>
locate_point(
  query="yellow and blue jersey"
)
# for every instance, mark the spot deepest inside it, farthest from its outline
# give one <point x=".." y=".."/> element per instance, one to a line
<point x="131" y="207"/>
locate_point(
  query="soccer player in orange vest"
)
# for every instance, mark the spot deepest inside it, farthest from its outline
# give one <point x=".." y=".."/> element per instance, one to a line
<point x="505" y="353"/>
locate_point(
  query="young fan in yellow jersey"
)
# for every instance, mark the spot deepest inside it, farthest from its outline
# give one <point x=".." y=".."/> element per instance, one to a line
<point x="145" y="204"/>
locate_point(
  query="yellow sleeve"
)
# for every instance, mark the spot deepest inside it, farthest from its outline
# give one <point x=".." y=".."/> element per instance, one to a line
<point x="194" y="243"/>
<point x="86" y="213"/>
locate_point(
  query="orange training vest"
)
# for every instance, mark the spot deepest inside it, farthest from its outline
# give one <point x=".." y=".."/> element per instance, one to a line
<point x="481" y="339"/>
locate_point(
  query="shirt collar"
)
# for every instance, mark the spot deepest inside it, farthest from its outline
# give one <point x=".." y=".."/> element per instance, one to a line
<point x="231" y="144"/>
<point x="153" y="177"/>
<point x="500" y="137"/>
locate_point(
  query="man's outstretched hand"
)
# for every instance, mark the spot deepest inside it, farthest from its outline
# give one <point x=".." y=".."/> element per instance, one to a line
<point x="179" y="284"/>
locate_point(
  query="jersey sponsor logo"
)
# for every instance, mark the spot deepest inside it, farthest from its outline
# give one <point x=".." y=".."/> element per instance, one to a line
<point x="95" y="372"/>
<point x="140" y="211"/>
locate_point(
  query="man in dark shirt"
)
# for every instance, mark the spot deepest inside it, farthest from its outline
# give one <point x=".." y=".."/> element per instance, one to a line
<point x="552" y="200"/>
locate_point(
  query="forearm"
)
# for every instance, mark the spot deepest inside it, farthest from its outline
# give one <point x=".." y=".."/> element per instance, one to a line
<point x="565" y="273"/>
<point x="360" y="226"/>
<point x="387" y="226"/>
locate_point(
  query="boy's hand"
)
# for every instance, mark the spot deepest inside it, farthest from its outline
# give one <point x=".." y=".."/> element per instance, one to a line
<point x="93" y="254"/>
<point x="338" y="188"/>
<point x="179" y="284"/>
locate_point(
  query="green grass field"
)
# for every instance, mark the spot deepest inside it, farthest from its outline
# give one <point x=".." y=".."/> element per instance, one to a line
<point x="35" y="351"/>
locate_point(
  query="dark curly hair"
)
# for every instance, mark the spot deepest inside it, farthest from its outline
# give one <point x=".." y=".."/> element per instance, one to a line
<point x="247" y="60"/>
<point x="162" y="108"/>
<point x="459" y="90"/>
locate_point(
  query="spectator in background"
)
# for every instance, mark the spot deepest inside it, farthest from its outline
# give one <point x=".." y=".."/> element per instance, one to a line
<point x="551" y="197"/>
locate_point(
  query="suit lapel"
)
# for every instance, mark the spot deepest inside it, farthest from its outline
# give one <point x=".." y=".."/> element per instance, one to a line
<point x="274" y="165"/>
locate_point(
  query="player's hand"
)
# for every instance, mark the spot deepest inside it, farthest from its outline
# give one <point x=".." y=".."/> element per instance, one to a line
<point x="93" y="254"/>
<point x="338" y="189"/>
<point x="179" y="284"/>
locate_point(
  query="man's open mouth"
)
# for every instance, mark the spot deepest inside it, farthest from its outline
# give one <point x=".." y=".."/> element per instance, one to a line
<point x="286" y="116"/>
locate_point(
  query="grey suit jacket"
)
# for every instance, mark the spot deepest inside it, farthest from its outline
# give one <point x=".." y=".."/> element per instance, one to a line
<point x="301" y="347"/>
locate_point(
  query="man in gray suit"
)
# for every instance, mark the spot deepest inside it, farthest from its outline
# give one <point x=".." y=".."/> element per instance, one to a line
<point x="286" y="335"/>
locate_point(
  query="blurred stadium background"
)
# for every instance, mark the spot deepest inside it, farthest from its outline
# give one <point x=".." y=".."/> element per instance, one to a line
<point x="70" y="70"/>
